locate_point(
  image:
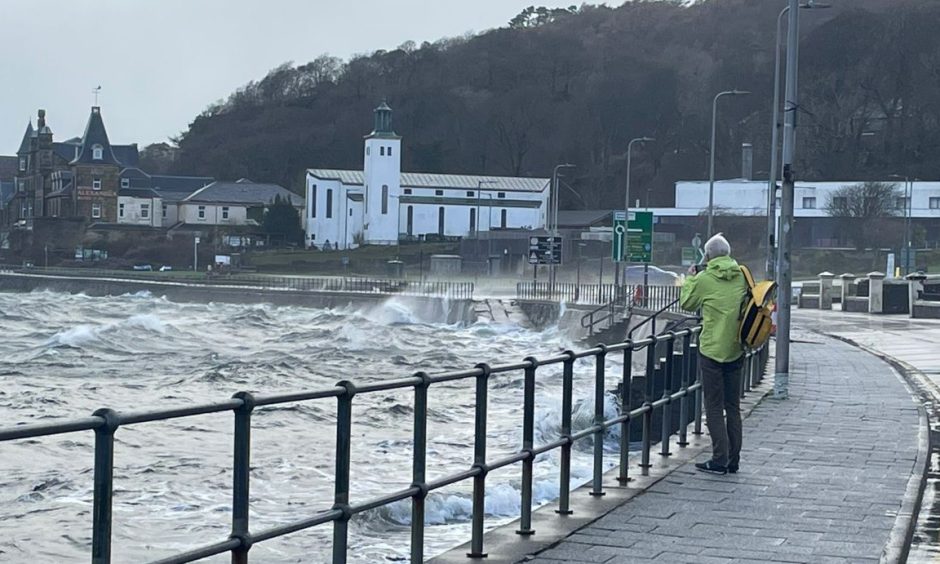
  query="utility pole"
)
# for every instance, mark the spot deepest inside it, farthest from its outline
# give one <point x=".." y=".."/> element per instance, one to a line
<point x="785" y="275"/>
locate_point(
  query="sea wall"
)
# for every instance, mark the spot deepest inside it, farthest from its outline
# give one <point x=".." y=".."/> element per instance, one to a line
<point x="444" y="310"/>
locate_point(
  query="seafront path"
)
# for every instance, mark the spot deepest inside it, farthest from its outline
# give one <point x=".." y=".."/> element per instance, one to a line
<point x="833" y="474"/>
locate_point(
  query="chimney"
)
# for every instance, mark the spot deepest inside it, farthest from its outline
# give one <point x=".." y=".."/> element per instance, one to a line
<point x="747" y="161"/>
<point x="41" y="122"/>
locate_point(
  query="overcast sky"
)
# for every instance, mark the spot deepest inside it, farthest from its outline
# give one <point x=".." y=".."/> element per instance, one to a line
<point x="161" y="62"/>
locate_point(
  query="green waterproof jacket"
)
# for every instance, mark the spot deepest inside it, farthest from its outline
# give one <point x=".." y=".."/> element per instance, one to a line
<point x="718" y="291"/>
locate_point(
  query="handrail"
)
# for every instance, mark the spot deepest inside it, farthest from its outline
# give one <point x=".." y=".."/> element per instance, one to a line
<point x="680" y="381"/>
<point x="652" y="318"/>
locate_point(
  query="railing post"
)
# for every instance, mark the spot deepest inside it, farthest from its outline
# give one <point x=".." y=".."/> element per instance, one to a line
<point x="668" y="369"/>
<point x="479" y="461"/>
<point x="241" y="469"/>
<point x="528" y="434"/>
<point x="745" y="369"/>
<point x="341" y="480"/>
<point x="696" y="376"/>
<point x="419" y="466"/>
<point x="625" y="400"/>
<point x="564" y="481"/>
<point x="648" y="414"/>
<point x="748" y="372"/>
<point x="103" y="486"/>
<point x="685" y="372"/>
<point x="597" y="489"/>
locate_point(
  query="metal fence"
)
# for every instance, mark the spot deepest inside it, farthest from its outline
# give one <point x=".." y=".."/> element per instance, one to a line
<point x="676" y="368"/>
<point x="455" y="290"/>
<point x="648" y="297"/>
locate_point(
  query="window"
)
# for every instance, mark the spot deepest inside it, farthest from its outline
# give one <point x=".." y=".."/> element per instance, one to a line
<point x="500" y="194"/>
<point x="97" y="152"/>
<point x="384" y="199"/>
<point x="96" y="211"/>
<point x="440" y="221"/>
<point x="473" y="220"/>
<point x="96" y="184"/>
<point x="329" y="203"/>
<point x="809" y="203"/>
<point x="202" y="213"/>
<point x="469" y="193"/>
<point x="368" y="152"/>
<point x="350" y="212"/>
<point x="125" y="183"/>
<point x="779" y="202"/>
<point x="224" y="212"/>
<point x="438" y="192"/>
<point x="22" y="164"/>
<point x="935" y="203"/>
<point x="382" y="151"/>
<point x="164" y="210"/>
<point x="390" y="151"/>
<point x="502" y="218"/>
<point x="839" y="202"/>
<point x="120" y="210"/>
<point x="313" y="201"/>
<point x="407" y="190"/>
<point x="145" y="211"/>
<point x="411" y="221"/>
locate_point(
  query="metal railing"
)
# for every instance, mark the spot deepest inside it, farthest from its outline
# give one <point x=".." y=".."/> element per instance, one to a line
<point x="649" y="297"/>
<point x="455" y="290"/>
<point x="677" y="371"/>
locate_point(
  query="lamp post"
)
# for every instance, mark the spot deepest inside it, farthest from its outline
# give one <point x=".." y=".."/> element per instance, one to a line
<point x="489" y="236"/>
<point x="476" y="224"/>
<point x="908" y="212"/>
<point x="711" y="168"/>
<point x="775" y="130"/>
<point x="554" y="224"/>
<point x="785" y="274"/>
<point x="626" y="210"/>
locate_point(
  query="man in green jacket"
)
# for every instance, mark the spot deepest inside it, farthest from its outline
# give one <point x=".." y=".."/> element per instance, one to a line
<point x="718" y="291"/>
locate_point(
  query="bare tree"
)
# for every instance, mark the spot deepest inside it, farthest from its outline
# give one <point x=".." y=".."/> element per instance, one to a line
<point x="863" y="211"/>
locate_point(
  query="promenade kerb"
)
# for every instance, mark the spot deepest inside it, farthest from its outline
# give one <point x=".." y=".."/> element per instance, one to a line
<point x="679" y="386"/>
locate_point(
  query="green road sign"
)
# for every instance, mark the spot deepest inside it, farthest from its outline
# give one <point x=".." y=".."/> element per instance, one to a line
<point x="640" y="237"/>
<point x="620" y="229"/>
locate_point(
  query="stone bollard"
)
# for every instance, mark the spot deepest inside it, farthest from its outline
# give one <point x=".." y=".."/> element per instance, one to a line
<point x="847" y="281"/>
<point x="915" y="284"/>
<point x="825" y="290"/>
<point x="876" y="282"/>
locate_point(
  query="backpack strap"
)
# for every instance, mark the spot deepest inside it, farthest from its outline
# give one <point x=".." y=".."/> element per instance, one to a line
<point x="748" y="277"/>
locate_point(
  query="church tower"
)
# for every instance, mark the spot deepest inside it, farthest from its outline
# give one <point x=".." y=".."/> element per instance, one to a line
<point x="382" y="181"/>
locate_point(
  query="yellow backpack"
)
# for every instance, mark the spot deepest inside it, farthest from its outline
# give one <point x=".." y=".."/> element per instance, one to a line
<point x="756" y="311"/>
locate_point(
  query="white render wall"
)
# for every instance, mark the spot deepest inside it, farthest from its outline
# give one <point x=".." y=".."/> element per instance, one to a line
<point x="189" y="213"/>
<point x="381" y="168"/>
<point x="133" y="214"/>
<point x="746" y="197"/>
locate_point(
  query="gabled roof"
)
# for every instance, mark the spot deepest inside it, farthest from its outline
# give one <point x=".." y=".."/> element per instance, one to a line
<point x="188" y="184"/>
<point x="145" y="193"/>
<point x="242" y="192"/>
<point x="67" y="150"/>
<point x="95" y="134"/>
<point x="442" y="181"/>
<point x="8" y="167"/>
<point x="24" y="146"/>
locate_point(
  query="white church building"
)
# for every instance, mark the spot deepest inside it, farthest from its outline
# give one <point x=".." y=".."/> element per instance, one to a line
<point x="381" y="205"/>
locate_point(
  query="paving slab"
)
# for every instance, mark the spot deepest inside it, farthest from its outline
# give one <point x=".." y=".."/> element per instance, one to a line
<point x="823" y="477"/>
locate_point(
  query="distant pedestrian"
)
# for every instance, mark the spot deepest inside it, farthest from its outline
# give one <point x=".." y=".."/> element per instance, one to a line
<point x="718" y="290"/>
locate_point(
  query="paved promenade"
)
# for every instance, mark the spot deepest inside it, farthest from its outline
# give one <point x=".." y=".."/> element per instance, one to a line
<point x="823" y="478"/>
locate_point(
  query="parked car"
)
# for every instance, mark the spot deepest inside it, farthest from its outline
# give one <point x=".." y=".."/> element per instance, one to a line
<point x="146" y="267"/>
<point x="166" y="268"/>
<point x="633" y="274"/>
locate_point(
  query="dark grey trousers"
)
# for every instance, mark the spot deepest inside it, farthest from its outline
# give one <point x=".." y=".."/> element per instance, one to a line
<point x="721" y="385"/>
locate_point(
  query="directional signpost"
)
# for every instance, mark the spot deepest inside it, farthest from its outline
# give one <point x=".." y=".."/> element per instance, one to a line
<point x="542" y="251"/>
<point x="638" y="247"/>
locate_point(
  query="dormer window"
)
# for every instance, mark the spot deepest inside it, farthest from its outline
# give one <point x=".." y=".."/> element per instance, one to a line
<point x="125" y="183"/>
<point x="97" y="152"/>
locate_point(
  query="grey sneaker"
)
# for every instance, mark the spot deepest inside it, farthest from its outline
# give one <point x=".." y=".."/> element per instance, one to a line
<point x="712" y="467"/>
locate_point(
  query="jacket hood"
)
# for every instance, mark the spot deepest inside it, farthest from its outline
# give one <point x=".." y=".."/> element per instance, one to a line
<point x="723" y="268"/>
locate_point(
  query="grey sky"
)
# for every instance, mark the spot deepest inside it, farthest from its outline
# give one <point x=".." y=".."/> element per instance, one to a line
<point x="161" y="62"/>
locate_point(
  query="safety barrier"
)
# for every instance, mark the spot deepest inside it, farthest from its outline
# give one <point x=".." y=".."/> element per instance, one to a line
<point x="676" y="368"/>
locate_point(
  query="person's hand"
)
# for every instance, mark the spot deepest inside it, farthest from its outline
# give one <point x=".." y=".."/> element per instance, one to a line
<point x="692" y="271"/>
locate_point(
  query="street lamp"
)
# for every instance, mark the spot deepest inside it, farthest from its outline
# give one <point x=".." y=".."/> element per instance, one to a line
<point x="711" y="170"/>
<point x="908" y="212"/>
<point x="775" y="132"/>
<point x="554" y="231"/>
<point x="476" y="224"/>
<point x="626" y="206"/>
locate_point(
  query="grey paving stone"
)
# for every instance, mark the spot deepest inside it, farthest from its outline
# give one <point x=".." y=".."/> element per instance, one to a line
<point x="822" y="475"/>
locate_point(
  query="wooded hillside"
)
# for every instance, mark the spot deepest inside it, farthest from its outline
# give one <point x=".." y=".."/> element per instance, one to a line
<point x="576" y="85"/>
